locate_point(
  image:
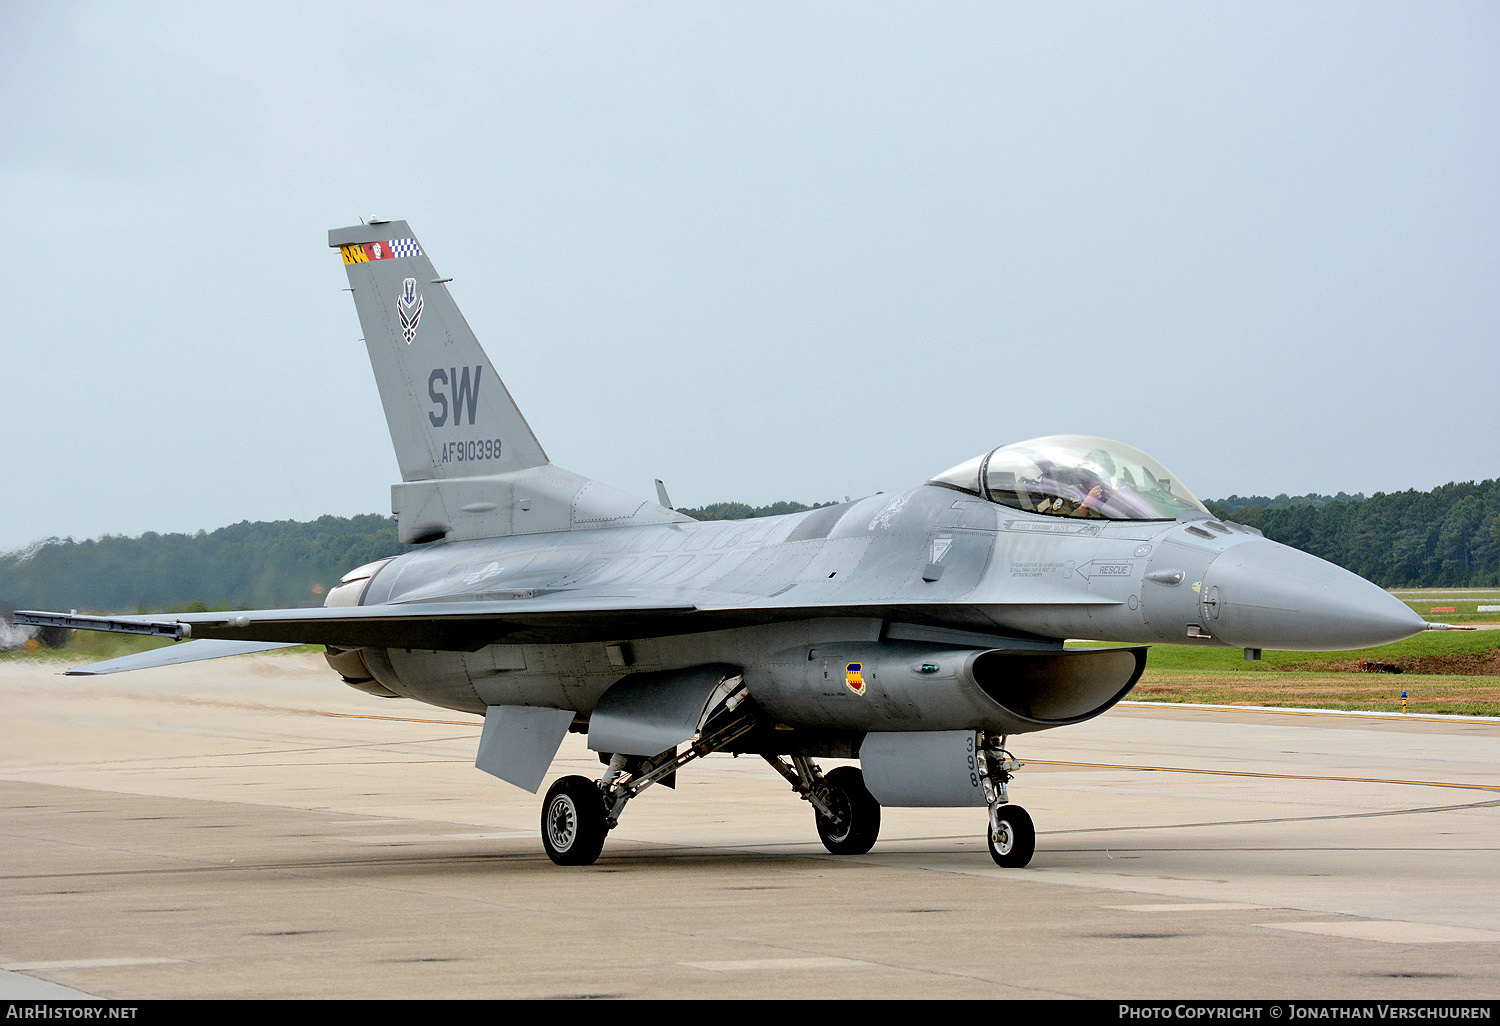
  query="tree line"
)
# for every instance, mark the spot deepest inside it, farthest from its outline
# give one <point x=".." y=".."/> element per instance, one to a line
<point x="243" y="566"/>
<point x="1448" y="537"/>
<point x="263" y="565"/>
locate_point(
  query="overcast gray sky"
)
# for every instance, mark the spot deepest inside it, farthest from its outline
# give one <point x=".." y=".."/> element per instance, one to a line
<point x="763" y="251"/>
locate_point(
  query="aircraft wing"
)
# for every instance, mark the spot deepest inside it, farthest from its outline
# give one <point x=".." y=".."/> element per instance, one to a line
<point x="451" y="626"/>
<point x="561" y="617"/>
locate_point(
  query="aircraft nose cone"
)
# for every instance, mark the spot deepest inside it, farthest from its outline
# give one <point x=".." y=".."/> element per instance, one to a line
<point x="1261" y="594"/>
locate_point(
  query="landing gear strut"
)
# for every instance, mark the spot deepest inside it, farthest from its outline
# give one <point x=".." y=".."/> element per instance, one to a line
<point x="847" y="815"/>
<point x="1011" y="835"/>
<point x="579" y="812"/>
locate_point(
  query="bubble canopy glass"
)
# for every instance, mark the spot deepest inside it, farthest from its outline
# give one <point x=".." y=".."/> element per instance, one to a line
<point x="1076" y="476"/>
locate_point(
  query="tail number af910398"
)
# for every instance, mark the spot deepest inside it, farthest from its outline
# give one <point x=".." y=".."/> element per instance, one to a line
<point x="470" y="451"/>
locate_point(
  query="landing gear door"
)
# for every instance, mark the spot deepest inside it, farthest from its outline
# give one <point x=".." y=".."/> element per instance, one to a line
<point x="648" y="713"/>
<point x="519" y="743"/>
<point x="923" y="768"/>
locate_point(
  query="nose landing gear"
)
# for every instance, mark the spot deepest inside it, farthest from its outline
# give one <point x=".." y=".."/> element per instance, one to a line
<point x="1011" y="835"/>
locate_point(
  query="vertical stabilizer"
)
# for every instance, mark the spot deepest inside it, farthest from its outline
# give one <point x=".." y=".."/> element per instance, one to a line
<point x="470" y="466"/>
<point x="449" y="413"/>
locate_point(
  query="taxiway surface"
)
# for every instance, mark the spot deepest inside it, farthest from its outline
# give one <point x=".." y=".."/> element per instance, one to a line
<point x="251" y="828"/>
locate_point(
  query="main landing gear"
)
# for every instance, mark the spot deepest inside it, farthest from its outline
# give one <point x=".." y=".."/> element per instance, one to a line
<point x="578" y="813"/>
<point x="846" y="814"/>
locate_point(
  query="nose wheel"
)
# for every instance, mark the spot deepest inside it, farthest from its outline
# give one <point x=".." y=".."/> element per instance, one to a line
<point x="1012" y="836"/>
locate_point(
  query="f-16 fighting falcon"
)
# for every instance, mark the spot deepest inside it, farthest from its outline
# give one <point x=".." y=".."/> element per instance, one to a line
<point x="916" y="632"/>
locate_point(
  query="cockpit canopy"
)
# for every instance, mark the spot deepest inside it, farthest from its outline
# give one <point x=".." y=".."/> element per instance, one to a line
<point x="1075" y="476"/>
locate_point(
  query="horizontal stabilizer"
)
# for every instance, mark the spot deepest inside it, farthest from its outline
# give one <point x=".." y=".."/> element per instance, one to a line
<point x="188" y="652"/>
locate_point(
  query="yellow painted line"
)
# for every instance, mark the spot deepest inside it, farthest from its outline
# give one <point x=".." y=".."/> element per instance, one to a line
<point x="1262" y="776"/>
<point x="388" y="719"/>
<point x="1355" y="714"/>
<point x="1041" y="762"/>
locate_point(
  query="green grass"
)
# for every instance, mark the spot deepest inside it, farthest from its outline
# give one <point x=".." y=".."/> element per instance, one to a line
<point x="88" y="647"/>
<point x="1448" y="672"/>
<point x="1465" y="603"/>
<point x="1195" y="658"/>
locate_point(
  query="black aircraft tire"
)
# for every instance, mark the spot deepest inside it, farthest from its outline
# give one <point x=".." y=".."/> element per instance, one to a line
<point x="1018" y="842"/>
<point x="573" y="825"/>
<point x="852" y="799"/>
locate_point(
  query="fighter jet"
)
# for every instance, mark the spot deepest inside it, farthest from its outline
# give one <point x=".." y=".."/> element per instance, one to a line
<point x="916" y="632"/>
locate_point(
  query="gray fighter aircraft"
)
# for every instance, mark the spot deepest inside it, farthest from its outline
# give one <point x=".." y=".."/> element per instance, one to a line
<point x="914" y="631"/>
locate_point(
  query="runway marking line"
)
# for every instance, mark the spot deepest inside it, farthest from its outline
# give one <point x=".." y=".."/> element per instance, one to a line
<point x="477" y="724"/>
<point x="760" y="964"/>
<point x="85" y="963"/>
<point x="1087" y="765"/>
<point x="1261" y="776"/>
<point x="1074" y="765"/>
<point x="1387" y="717"/>
<point x="1199" y="906"/>
<point x="1390" y="931"/>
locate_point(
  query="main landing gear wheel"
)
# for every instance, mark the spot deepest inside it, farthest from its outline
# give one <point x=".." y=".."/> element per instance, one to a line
<point x="858" y="814"/>
<point x="573" y="826"/>
<point x="1012" y="836"/>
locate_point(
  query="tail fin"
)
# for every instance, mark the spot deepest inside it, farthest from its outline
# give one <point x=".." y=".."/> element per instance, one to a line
<point x="449" y="413"/>
<point x="470" y="466"/>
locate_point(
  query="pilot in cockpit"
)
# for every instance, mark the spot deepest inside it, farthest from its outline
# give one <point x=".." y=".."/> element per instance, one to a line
<point x="1083" y="497"/>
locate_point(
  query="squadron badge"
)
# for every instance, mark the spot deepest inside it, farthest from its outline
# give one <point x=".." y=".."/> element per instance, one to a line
<point x="854" y="678"/>
<point x="410" y="308"/>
